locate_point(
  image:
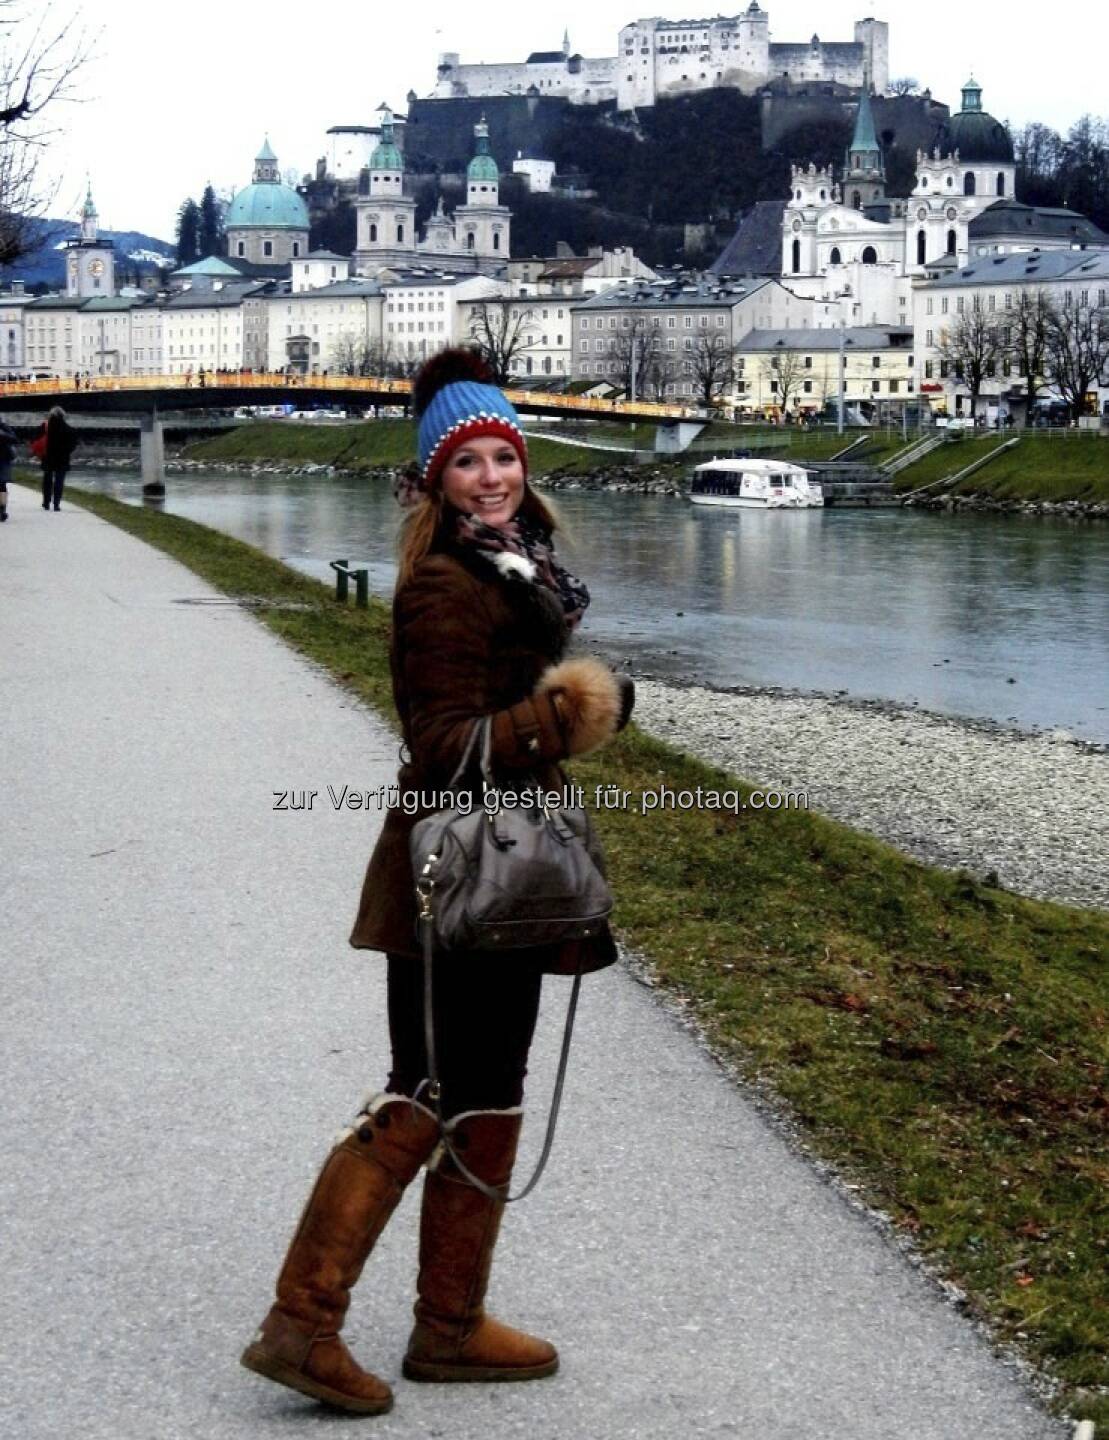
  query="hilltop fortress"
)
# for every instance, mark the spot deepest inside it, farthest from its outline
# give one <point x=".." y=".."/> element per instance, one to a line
<point x="661" y="58"/>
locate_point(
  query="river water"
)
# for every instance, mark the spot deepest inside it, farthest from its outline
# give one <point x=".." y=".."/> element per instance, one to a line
<point x="990" y="617"/>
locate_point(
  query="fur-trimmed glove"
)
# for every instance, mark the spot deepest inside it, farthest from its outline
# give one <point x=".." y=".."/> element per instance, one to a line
<point x="592" y="703"/>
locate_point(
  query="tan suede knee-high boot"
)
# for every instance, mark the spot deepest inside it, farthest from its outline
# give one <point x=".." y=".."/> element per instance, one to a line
<point x="453" y="1338"/>
<point x="357" y="1190"/>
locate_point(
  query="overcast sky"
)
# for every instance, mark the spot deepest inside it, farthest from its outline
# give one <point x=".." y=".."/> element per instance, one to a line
<point x="181" y="96"/>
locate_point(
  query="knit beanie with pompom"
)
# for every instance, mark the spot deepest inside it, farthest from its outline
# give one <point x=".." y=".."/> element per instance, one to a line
<point x="455" y="399"/>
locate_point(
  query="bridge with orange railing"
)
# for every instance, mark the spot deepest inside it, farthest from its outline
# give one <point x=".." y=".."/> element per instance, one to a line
<point x="222" y="390"/>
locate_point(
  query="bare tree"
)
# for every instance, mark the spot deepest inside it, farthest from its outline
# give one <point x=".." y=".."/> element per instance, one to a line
<point x="784" y="372"/>
<point x="658" y="372"/>
<point x="972" y="346"/>
<point x="904" y="85"/>
<point x="40" y="58"/>
<point x="713" y="362"/>
<point x="354" y="353"/>
<point x="1077" y="350"/>
<point x="636" y="349"/>
<point x="501" y="329"/>
<point x="1025" y="332"/>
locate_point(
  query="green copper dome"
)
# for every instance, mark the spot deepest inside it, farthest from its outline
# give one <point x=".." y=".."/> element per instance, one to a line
<point x="482" y="168"/>
<point x="267" y="205"/>
<point x="975" y="134"/>
<point x="386" y="155"/>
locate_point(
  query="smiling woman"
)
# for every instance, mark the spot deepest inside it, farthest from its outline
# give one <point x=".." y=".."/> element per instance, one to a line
<point x="482" y="615"/>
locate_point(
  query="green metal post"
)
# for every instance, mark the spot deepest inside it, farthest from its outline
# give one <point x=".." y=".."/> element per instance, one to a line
<point x="342" y="580"/>
<point x="362" y="589"/>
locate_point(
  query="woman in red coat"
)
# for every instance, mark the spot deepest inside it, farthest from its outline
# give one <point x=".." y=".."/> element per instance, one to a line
<point x="482" y="616"/>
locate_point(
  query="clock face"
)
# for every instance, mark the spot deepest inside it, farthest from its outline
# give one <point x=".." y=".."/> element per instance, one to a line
<point x="96" y="267"/>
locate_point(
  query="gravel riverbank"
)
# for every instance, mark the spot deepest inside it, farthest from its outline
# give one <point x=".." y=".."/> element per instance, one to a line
<point x="1032" y="808"/>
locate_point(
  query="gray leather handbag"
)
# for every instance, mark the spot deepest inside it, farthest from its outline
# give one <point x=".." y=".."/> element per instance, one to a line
<point x="510" y="872"/>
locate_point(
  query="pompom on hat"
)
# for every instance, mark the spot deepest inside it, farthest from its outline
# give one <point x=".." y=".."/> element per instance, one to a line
<point x="455" y="399"/>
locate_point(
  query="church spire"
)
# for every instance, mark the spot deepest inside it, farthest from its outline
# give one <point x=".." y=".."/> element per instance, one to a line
<point x="89" y="219"/>
<point x="865" y="177"/>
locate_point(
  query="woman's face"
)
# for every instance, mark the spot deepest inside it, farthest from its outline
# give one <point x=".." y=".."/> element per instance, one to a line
<point x="485" y="477"/>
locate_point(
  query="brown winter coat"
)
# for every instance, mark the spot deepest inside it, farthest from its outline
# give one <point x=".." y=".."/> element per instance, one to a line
<point x="467" y="643"/>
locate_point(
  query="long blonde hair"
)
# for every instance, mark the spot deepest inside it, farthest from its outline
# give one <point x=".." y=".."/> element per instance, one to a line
<point x="421" y="525"/>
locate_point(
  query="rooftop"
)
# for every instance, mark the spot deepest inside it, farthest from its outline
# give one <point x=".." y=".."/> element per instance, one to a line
<point x="860" y="337"/>
<point x="674" y="294"/>
<point x="1027" y="265"/>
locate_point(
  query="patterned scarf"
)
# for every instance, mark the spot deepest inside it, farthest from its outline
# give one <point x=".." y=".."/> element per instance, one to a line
<point x="522" y="550"/>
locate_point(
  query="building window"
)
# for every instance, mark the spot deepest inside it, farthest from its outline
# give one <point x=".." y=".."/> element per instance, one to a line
<point x="970" y="184"/>
<point x="1001" y="182"/>
<point x="870" y="256"/>
<point x="240" y="248"/>
<point x="875" y="386"/>
<point x="834" y="258"/>
<point x="400" y="235"/>
<point x="951" y="242"/>
<point x="296" y="248"/>
<point x="496" y="241"/>
<point x="267" y="248"/>
<point x="921" y="247"/>
<point x="797" y="257"/>
<point x="373" y="234"/>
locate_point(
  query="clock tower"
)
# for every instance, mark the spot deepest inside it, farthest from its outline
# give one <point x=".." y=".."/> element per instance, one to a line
<point x="89" y="262"/>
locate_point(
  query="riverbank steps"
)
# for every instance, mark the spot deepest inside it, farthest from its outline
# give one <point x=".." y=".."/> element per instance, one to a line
<point x="1033" y="810"/>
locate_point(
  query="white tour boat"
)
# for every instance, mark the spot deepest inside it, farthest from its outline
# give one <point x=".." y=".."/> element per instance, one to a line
<point x="755" y="485"/>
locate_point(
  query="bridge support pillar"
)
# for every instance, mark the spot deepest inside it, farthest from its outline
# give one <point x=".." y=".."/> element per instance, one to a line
<point x="153" y="456"/>
<point x="674" y="436"/>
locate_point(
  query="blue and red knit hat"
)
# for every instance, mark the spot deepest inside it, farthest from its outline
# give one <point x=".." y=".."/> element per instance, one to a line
<point x="455" y="399"/>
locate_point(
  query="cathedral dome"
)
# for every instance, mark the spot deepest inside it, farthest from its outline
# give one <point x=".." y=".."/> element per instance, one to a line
<point x="267" y="204"/>
<point x="975" y="134"/>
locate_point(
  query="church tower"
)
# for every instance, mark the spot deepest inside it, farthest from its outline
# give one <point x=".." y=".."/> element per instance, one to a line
<point x="386" y="216"/>
<point x="90" y="267"/>
<point x="864" y="180"/>
<point x="482" y="225"/>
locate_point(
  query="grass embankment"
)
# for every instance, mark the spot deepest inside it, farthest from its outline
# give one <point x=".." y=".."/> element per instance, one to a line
<point x="368" y="444"/>
<point x="361" y="446"/>
<point x="943" y="1042"/>
<point x="1041" y="467"/>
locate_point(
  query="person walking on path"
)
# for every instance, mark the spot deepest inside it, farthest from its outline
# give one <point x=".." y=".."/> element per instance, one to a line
<point x="482" y="615"/>
<point x="8" y="441"/>
<point x="59" y="440"/>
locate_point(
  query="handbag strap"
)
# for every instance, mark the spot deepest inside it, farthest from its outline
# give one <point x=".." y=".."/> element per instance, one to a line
<point x="435" y="1090"/>
<point x="482" y="730"/>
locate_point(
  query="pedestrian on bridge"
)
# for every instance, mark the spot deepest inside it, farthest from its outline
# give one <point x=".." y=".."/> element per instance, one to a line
<point x="482" y="615"/>
<point x="59" y="440"/>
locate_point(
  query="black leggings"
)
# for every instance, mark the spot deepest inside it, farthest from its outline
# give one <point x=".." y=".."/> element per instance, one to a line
<point x="485" y="1011"/>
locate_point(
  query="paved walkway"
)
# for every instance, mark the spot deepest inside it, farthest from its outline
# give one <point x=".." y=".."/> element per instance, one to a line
<point x="184" y="1026"/>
